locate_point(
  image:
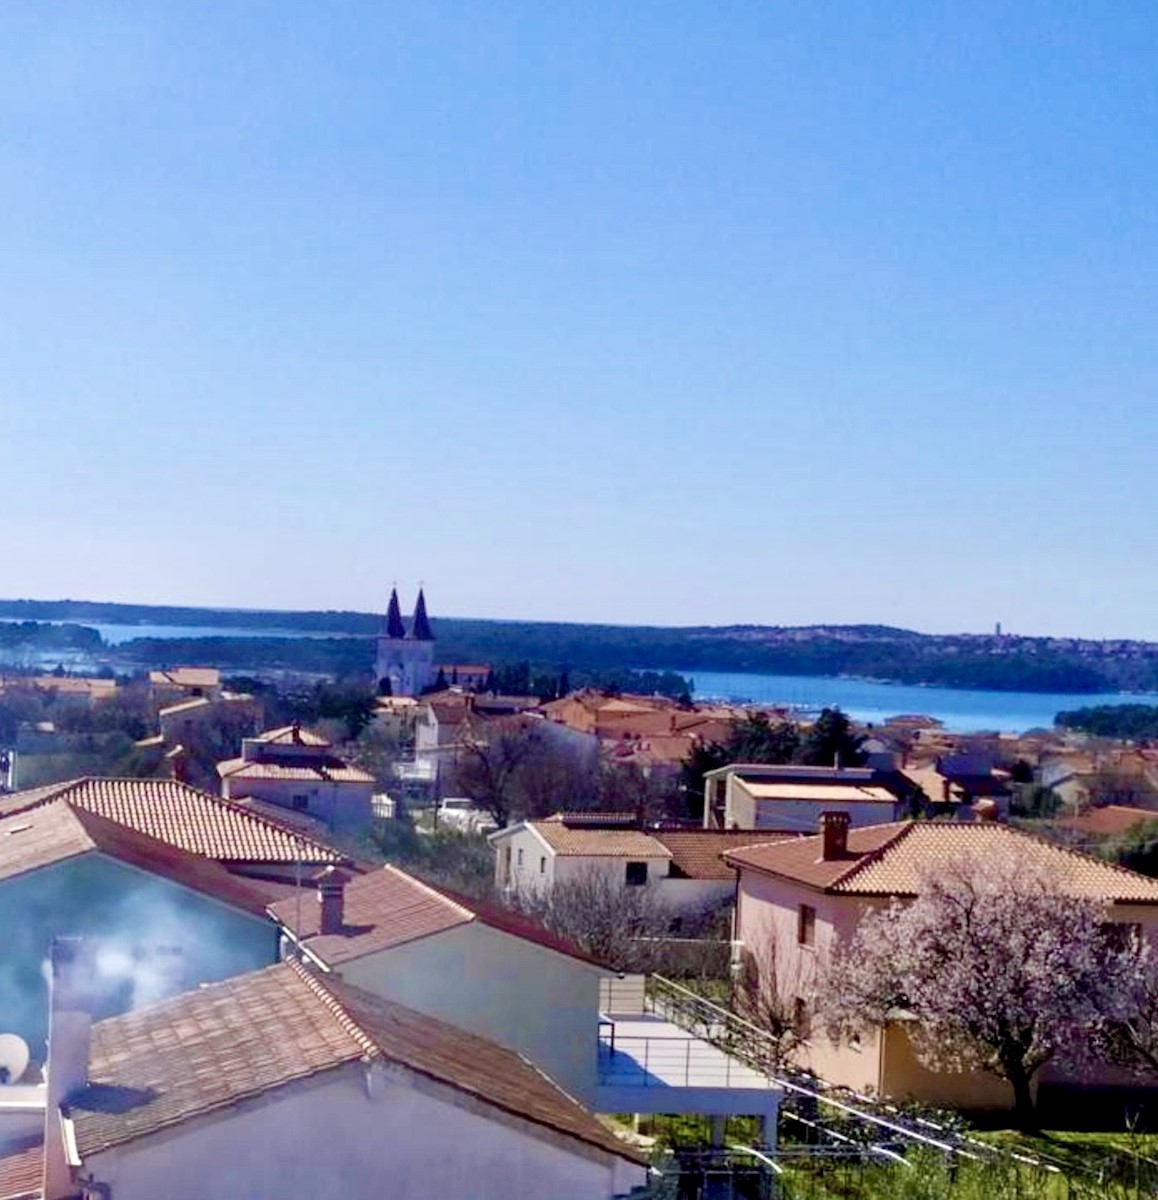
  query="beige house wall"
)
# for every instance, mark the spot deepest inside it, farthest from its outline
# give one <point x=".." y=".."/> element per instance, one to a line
<point x="904" y="1077"/>
<point x="882" y="1062"/>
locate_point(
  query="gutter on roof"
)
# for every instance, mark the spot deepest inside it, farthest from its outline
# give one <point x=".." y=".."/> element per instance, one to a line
<point x="286" y="932"/>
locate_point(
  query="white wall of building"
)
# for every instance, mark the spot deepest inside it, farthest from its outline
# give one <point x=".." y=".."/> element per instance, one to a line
<point x="330" y="1140"/>
<point x="521" y="995"/>
<point x="524" y="863"/>
<point x="340" y="804"/>
<point x="539" y="868"/>
<point x="574" y="867"/>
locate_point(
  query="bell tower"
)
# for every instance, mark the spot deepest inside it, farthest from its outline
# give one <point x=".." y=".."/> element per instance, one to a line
<point x="405" y="660"/>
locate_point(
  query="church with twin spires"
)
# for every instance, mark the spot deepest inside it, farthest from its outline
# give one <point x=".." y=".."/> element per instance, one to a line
<point x="405" y="659"/>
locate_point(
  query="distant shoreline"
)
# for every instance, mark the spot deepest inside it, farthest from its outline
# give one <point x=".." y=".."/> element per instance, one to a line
<point x="856" y="653"/>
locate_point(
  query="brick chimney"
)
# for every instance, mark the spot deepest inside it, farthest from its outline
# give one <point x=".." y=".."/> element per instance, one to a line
<point x="72" y="971"/>
<point x="332" y="897"/>
<point x="833" y="836"/>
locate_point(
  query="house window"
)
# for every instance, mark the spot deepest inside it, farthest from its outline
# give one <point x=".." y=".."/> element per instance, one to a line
<point x="300" y="802"/>
<point x="542" y="866"/>
<point x="506" y="867"/>
<point x="801" y="1018"/>
<point x="806" y="925"/>
<point x="519" y="860"/>
<point x="636" y="874"/>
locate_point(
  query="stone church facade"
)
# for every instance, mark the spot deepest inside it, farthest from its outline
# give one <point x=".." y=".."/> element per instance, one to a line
<point x="405" y="658"/>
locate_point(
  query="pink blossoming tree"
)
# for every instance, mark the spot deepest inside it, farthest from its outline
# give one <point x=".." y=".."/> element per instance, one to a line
<point x="995" y="967"/>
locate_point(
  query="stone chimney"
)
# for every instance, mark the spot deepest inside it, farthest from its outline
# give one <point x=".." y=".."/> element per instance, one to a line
<point x="71" y="987"/>
<point x="833" y="836"/>
<point x="332" y="897"/>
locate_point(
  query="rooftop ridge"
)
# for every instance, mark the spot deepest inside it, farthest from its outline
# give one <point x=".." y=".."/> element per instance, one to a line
<point x="369" y="1047"/>
<point x="250" y="819"/>
<point x="48" y="793"/>
<point x="872" y="856"/>
<point x="1071" y="852"/>
<point x="468" y="914"/>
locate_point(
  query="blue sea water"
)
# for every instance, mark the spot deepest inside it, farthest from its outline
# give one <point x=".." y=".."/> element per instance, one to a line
<point x="960" y="710"/>
<point x="864" y="700"/>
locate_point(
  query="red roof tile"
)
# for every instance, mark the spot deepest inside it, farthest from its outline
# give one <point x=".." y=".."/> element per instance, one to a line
<point x="890" y="860"/>
<point x="1110" y="820"/>
<point x="22" y="1169"/>
<point x="329" y="771"/>
<point x="585" y="840"/>
<point x="212" y="1048"/>
<point x="388" y="908"/>
<point x="184" y="817"/>
<point x="696" y="853"/>
<point x="60" y="830"/>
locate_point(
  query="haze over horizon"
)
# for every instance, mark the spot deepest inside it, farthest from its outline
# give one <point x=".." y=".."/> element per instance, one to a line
<point x="756" y="315"/>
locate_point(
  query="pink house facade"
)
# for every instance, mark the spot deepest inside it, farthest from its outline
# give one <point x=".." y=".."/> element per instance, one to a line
<point x="796" y="901"/>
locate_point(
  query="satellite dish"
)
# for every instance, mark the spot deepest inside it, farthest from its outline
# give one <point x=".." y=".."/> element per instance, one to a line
<point x="13" y="1058"/>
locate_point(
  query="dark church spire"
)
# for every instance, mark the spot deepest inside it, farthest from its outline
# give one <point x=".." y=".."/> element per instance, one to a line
<point x="394" y="626"/>
<point x="420" y="630"/>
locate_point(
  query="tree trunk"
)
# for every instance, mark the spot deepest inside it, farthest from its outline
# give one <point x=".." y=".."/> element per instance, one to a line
<point x="1024" y="1112"/>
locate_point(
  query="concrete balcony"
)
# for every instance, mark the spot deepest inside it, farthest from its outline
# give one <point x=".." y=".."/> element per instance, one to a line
<point x="647" y="1064"/>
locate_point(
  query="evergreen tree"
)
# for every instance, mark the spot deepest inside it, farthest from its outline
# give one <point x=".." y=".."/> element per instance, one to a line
<point x="831" y="742"/>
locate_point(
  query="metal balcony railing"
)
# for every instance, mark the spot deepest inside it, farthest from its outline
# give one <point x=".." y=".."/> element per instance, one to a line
<point x="663" y="1060"/>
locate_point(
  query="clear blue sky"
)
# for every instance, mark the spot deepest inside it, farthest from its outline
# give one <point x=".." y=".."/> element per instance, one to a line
<point x="643" y="312"/>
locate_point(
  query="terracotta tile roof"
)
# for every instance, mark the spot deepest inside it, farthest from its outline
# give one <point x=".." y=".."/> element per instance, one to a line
<point x="65" y="685"/>
<point x="306" y="772"/>
<point x="664" y="750"/>
<point x="584" y="841"/>
<point x="210" y="1049"/>
<point x="22" y="1169"/>
<point x="889" y="860"/>
<point x="187" y="677"/>
<point x="300" y="821"/>
<point x="60" y="830"/>
<point x="291" y="735"/>
<point x="623" y="704"/>
<point x="1108" y="821"/>
<point x="184" y="817"/>
<point x="695" y="853"/>
<point x="388" y="908"/>
<point x="449" y="712"/>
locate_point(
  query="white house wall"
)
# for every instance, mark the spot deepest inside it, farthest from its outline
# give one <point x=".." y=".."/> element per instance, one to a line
<point x="505" y="988"/>
<point x="535" y="875"/>
<point x="541" y="869"/>
<point x="343" y="805"/>
<point x="572" y="867"/>
<point x="331" y="1141"/>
